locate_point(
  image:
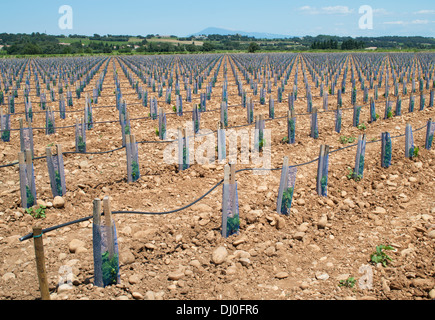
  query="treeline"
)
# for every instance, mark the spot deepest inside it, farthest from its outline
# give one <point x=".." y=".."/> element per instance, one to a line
<point x="42" y="44"/>
<point x="35" y="43"/>
<point x="232" y="37"/>
<point x="333" y="45"/>
<point x="348" y="43"/>
<point x="97" y="37"/>
<point x="327" y="44"/>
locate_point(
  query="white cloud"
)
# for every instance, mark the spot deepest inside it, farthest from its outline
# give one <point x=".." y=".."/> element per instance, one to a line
<point x="337" y="10"/>
<point x="425" y="12"/>
<point x="395" y="22"/>
<point x="305" y="8"/>
<point x="327" y="10"/>
<point x="309" y="10"/>
<point x="420" y="22"/>
<point x="407" y="22"/>
<point x="381" y="11"/>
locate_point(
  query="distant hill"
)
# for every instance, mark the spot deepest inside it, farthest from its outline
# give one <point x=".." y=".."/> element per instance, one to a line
<point x="223" y="32"/>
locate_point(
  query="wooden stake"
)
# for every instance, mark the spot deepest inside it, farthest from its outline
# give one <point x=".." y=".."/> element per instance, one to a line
<point x="97" y="211"/>
<point x="232" y="173"/>
<point x="226" y="174"/>
<point x="40" y="263"/>
<point x="59" y="149"/>
<point x="109" y="224"/>
<point x="29" y="164"/>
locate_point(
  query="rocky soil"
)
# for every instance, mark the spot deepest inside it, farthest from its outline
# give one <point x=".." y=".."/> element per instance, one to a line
<point x="182" y="255"/>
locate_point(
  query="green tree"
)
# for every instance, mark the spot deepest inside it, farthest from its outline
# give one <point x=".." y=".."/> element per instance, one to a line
<point x="207" y="46"/>
<point x="253" y="46"/>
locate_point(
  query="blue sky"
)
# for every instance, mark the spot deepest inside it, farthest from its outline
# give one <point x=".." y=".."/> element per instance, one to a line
<point x="181" y="18"/>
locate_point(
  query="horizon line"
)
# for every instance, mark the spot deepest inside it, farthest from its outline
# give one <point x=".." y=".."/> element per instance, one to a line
<point x="200" y="34"/>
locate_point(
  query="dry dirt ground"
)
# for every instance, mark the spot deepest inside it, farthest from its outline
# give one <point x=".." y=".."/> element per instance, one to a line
<point x="302" y="256"/>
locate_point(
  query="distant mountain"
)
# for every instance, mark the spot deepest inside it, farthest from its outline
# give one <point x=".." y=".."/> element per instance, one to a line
<point x="223" y="32"/>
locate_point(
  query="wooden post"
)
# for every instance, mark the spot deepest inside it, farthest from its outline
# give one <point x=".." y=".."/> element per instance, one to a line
<point x="50" y="169"/>
<point x="29" y="167"/>
<point x="109" y="224"/>
<point x="97" y="211"/>
<point x="232" y="173"/>
<point x="40" y="263"/>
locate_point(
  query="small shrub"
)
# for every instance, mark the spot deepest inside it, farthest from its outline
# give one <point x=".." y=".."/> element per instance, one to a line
<point x="344" y="139"/>
<point x="379" y="256"/>
<point x="352" y="175"/>
<point x="134" y="170"/>
<point x="415" y="152"/>
<point x="109" y="269"/>
<point x="349" y="282"/>
<point x="81" y="144"/>
<point x="37" y="213"/>
<point x="362" y="126"/>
